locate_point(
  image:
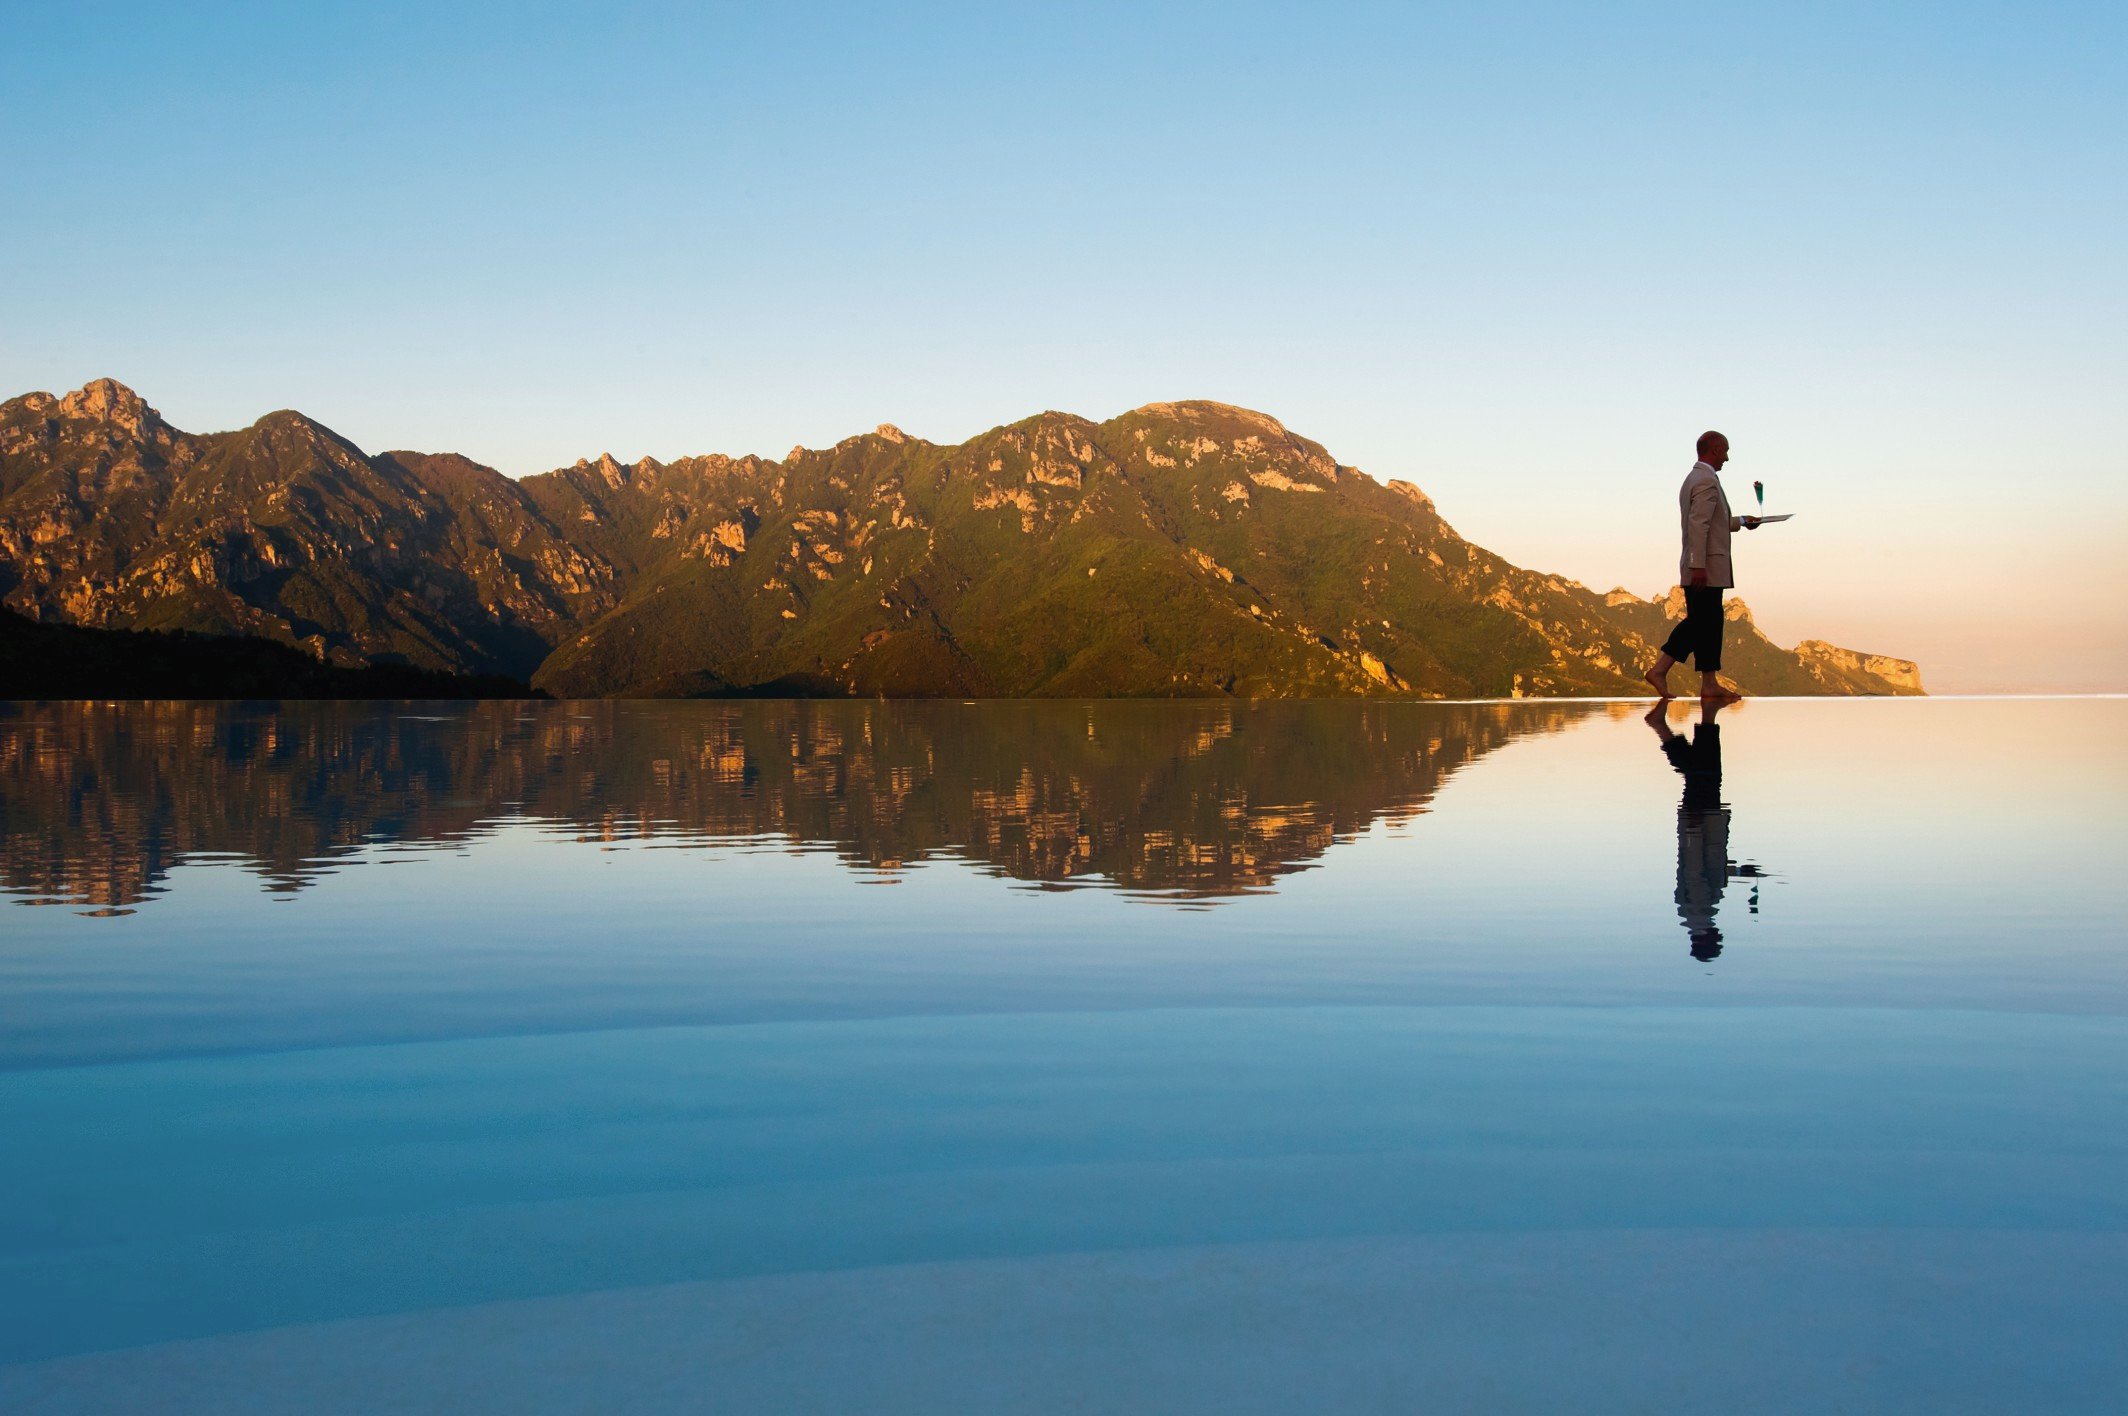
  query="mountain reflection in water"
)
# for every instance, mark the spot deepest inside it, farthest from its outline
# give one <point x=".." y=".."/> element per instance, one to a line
<point x="1171" y="801"/>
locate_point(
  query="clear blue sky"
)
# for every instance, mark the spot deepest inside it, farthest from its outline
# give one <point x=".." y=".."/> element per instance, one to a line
<point x="1518" y="254"/>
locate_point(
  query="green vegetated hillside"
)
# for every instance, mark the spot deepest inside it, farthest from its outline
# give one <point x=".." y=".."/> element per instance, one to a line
<point x="1180" y="549"/>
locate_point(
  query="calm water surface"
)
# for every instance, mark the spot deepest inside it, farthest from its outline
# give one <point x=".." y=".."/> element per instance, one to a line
<point x="1063" y="1056"/>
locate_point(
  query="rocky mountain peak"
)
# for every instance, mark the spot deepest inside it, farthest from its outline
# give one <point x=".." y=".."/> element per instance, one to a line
<point x="1830" y="661"/>
<point x="1411" y="493"/>
<point x="1201" y="410"/>
<point x="109" y="401"/>
<point x="1673" y="604"/>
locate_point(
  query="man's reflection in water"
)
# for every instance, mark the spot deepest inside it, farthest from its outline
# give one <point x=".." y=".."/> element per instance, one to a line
<point x="1704" y="869"/>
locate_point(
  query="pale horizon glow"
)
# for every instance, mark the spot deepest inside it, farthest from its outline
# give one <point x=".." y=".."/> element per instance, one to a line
<point x="1521" y="257"/>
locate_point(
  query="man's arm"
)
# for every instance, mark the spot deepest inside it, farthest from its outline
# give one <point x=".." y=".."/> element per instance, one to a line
<point x="1700" y="511"/>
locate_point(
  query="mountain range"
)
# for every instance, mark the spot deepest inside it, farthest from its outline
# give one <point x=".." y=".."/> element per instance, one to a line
<point x="1181" y="549"/>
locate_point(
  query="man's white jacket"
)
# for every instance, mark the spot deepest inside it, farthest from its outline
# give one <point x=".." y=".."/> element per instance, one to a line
<point x="1703" y="508"/>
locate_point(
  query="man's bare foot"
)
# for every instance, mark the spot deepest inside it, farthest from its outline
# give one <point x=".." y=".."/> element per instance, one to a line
<point x="1720" y="693"/>
<point x="1660" y="683"/>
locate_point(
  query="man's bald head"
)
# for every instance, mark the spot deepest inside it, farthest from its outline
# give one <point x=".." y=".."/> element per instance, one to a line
<point x="1713" y="449"/>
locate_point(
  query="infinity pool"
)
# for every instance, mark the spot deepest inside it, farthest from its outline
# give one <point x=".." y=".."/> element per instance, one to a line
<point x="1001" y="1057"/>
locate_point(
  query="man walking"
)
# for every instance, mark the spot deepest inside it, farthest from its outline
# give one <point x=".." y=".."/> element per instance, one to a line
<point x="1704" y="570"/>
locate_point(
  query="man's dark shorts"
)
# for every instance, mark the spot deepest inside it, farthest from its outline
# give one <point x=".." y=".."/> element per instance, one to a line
<point x="1699" y="636"/>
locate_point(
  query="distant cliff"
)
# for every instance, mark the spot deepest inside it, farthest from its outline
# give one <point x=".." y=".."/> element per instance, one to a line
<point x="1182" y="549"/>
